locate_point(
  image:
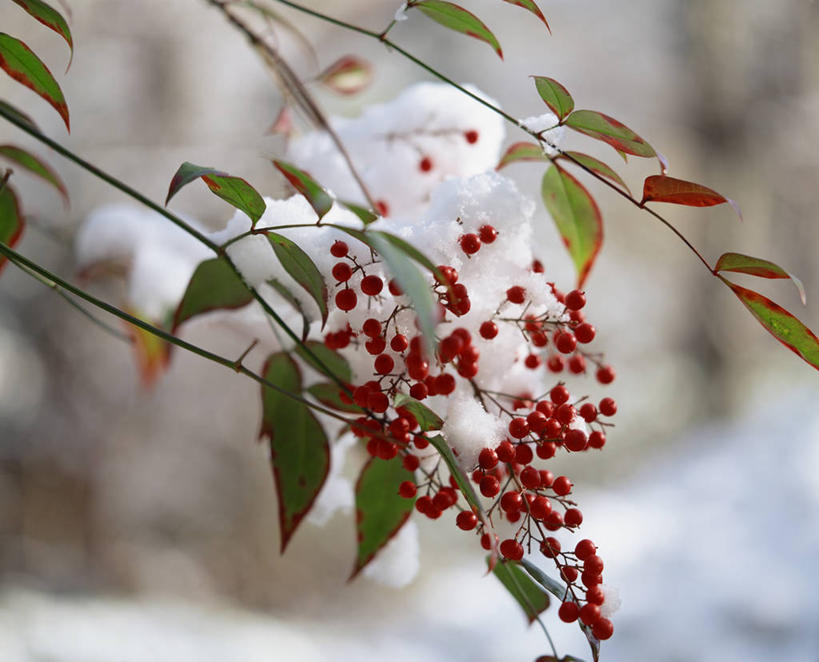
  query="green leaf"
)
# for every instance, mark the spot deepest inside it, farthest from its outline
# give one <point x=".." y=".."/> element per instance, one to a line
<point x="367" y="216"/>
<point x="555" y="96"/>
<point x="532" y="7"/>
<point x="299" y="450"/>
<point x="577" y="218"/>
<point x="660" y="188"/>
<point x="380" y="510"/>
<point x="49" y="17"/>
<point x="334" y="361"/>
<point x="529" y="594"/>
<point x="329" y="394"/>
<point x="522" y="151"/>
<point x="293" y="301"/>
<point x="33" y="164"/>
<point x="20" y="116"/>
<point x="347" y="75"/>
<point x="596" y="166"/>
<point x="302" y="269"/>
<point x="319" y="199"/>
<point x="11" y="220"/>
<point x="427" y="419"/>
<point x="213" y="286"/>
<point x="754" y="266"/>
<point x="780" y="324"/>
<point x="233" y="190"/>
<point x="459" y="19"/>
<point x="609" y="130"/>
<point x="20" y="62"/>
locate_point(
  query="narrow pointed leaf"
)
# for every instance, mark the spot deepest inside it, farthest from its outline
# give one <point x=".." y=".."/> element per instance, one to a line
<point x="347" y="75"/>
<point x="299" y="450"/>
<point x="661" y="188"/>
<point x="363" y="213"/>
<point x="577" y="218"/>
<point x="334" y="361"/>
<point x="20" y="116"/>
<point x="20" y="62"/>
<point x="213" y="286"/>
<point x="11" y="220"/>
<point x="49" y="17"/>
<point x="459" y="19"/>
<point x="319" y="199"/>
<point x="754" y="266"/>
<point x="330" y="395"/>
<point x="35" y="165"/>
<point x="427" y="419"/>
<point x="780" y="324"/>
<point x="555" y="96"/>
<point x="532" y="598"/>
<point x="597" y="166"/>
<point x="233" y="190"/>
<point x="609" y="130"/>
<point x="293" y="301"/>
<point x="380" y="510"/>
<point x="532" y="7"/>
<point x="302" y="269"/>
<point x="522" y="151"/>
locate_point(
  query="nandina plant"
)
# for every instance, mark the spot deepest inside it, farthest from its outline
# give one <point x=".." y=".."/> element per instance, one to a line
<point x="407" y="312"/>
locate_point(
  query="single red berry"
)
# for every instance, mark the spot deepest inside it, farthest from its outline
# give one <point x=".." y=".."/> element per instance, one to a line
<point x="545" y="407"/>
<point x="573" y="517"/>
<point x="487" y="459"/>
<point x="590" y="579"/>
<point x="486" y="541"/>
<point x="523" y="454"/>
<point x="569" y="573"/>
<point x="469" y="353"/>
<point x="565" y="413"/>
<point x="553" y="428"/>
<point x="423" y="503"/>
<point x="575" y="300"/>
<point x="539" y="339"/>
<point x="470" y="243"/>
<point x="466" y="520"/>
<point x="445" y="384"/>
<point x="546" y="450"/>
<point x="590" y="613"/>
<point x="399" y="428"/>
<point x="537" y="266"/>
<point x="532" y="361"/>
<point x="588" y="411"/>
<point x="518" y="428"/>
<point x="516" y="294"/>
<point x="471" y="136"/>
<point x="555" y="363"/>
<point x="342" y="272"/>
<point x="489" y="486"/>
<point x="577" y="364"/>
<point x="603" y="629"/>
<point x="488" y="234"/>
<point x="562" y="486"/>
<point x="467" y="370"/>
<point x="577" y="316"/>
<point x="597" y="439"/>
<point x="378" y="402"/>
<point x="420" y="442"/>
<point x="488" y="330"/>
<point x="565" y="342"/>
<point x="411" y="462"/>
<point x="605" y="374"/>
<point x="593" y="565"/>
<point x="530" y="478"/>
<point x="553" y="521"/>
<point x="442" y="500"/>
<point x="608" y="407"/>
<point x="540" y="509"/>
<point x="384" y="364"/>
<point x="382" y="207"/>
<point x="425" y="164"/>
<point x="448" y="274"/>
<point x="375" y="345"/>
<point x="339" y="249"/>
<point x="395" y="288"/>
<point x="371" y="285"/>
<point x="595" y="595"/>
<point x="371" y="327"/>
<point x="419" y="391"/>
<point x="346" y="299"/>
<point x="550" y="547"/>
<point x="537" y="421"/>
<point x="511" y="501"/>
<point x="568" y="612"/>
<point x="505" y="451"/>
<point x="584" y="333"/>
<point x="546" y="478"/>
<point x="433" y="512"/>
<point x="559" y="394"/>
<point x="417" y="366"/>
<point x="449" y="347"/>
<point x="511" y="549"/>
<point x="399" y="343"/>
<point x="407" y="489"/>
<point x="576" y="440"/>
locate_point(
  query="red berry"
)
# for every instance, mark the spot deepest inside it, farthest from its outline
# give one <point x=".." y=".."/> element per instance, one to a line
<point x="575" y="300"/>
<point x="371" y="285"/>
<point x="590" y="613"/>
<point x="371" y="327"/>
<point x="595" y="595"/>
<point x="545" y="407"/>
<point x="565" y="413"/>
<point x="488" y="234"/>
<point x="382" y="207"/>
<point x="467" y="370"/>
<point x="568" y="612"/>
<point x="605" y="374"/>
<point x="539" y="339"/>
<point x="466" y="520"/>
<point x="420" y="442"/>
<point x="532" y="361"/>
<point x="577" y="364"/>
<point x="553" y="427"/>
<point x="593" y="565"/>
<point x="445" y="384"/>
<point x="471" y="136"/>
<point x="555" y="363"/>
<point x="553" y="521"/>
<point x="378" y="402"/>
<point x="569" y="573"/>
<point x="588" y="411"/>
<point x="590" y="579"/>
<point x="395" y="288"/>
<point x="537" y="421"/>
<point x="559" y="394"/>
<point x="537" y="266"/>
<point x="425" y="165"/>
<point x="470" y="243"/>
<point x="562" y="486"/>
<point x="375" y="345"/>
<point x="608" y="407"/>
<point x="511" y="549"/>
<point x="411" y="462"/>
<point x="603" y="629"/>
<point x="488" y="459"/>
<point x="384" y="364"/>
<point x="505" y="451"/>
<point x="511" y="501"/>
<point x="399" y="343"/>
<point x="346" y="299"/>
<point x="419" y="391"/>
<point x="576" y="440"/>
<point x="407" y="489"/>
<point x="573" y="517"/>
<point x="339" y="249"/>
<point x="546" y="450"/>
<point x="342" y="271"/>
<point x="449" y="348"/>
<point x="489" y="486"/>
<point x="518" y="428"/>
<point x="486" y="541"/>
<point x="550" y="547"/>
<point x="530" y="478"/>
<point x="488" y="330"/>
<point x="516" y="294"/>
<point x="441" y="501"/>
<point x="540" y="508"/>
<point x="417" y="366"/>
<point x="565" y="342"/>
<point x="597" y="439"/>
<point x="523" y="454"/>
<point x="585" y="333"/>
<point x="423" y="504"/>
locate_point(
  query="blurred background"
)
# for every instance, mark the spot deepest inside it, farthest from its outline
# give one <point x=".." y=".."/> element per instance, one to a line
<point x="141" y="524"/>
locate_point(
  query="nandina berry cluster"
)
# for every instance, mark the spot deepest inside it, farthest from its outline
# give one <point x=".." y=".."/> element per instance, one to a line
<point x="527" y="500"/>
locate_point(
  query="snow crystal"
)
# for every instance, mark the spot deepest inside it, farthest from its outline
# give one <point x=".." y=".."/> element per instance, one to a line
<point x="397" y="564"/>
<point x="469" y="428"/>
<point x="613" y="601"/>
<point x="552" y="134"/>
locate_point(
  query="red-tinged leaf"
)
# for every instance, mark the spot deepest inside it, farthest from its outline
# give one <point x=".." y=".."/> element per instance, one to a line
<point x="609" y="130"/>
<point x="596" y="166"/>
<point x="152" y="354"/>
<point x="49" y="17"/>
<point x="555" y="96"/>
<point x="532" y="598"/>
<point x="299" y="450"/>
<point x="780" y="323"/>
<point x="380" y="510"/>
<point x="8" y="110"/>
<point x="522" y="151"/>
<point x="301" y="268"/>
<point x="319" y="199"/>
<point x="577" y="218"/>
<point x="334" y="361"/>
<point x="347" y="75"/>
<point x="11" y="219"/>
<point x="35" y="165"/>
<point x="532" y="7"/>
<point x="233" y="190"/>
<point x="330" y="395"/>
<point x="213" y="286"/>
<point x="283" y="124"/>
<point x="20" y="62"/>
<point x="459" y="19"/>
<point x="754" y="266"/>
<point x="661" y="188"/>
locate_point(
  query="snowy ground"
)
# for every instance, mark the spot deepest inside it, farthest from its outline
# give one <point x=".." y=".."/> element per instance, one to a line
<point x="713" y="548"/>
